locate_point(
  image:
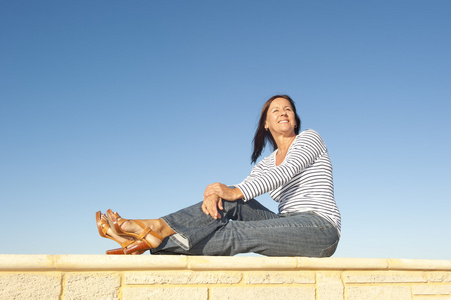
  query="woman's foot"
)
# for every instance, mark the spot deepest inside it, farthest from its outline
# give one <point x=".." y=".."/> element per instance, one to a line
<point x="109" y="232"/>
<point x="151" y="232"/>
<point x="105" y="231"/>
<point x="131" y="226"/>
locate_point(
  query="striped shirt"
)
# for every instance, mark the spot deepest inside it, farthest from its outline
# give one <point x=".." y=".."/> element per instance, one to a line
<point x="302" y="182"/>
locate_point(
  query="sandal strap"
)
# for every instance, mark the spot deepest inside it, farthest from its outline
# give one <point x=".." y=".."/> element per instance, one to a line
<point x="145" y="231"/>
<point x="105" y="226"/>
<point x="127" y="243"/>
<point x="156" y="235"/>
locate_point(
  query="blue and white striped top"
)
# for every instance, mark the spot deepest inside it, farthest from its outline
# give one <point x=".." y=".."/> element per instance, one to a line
<point x="302" y="182"/>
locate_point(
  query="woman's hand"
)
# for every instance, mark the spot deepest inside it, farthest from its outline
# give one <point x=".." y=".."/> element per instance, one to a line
<point x="211" y="205"/>
<point x="223" y="192"/>
<point x="213" y="195"/>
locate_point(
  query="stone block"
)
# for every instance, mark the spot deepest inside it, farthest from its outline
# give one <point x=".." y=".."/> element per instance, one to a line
<point x="432" y="289"/>
<point x="263" y="293"/>
<point x="165" y="293"/>
<point x="329" y="285"/>
<point x="419" y="264"/>
<point x="378" y="292"/>
<point x="182" y="277"/>
<point x="30" y="286"/>
<point x="91" y="285"/>
<point x="241" y="263"/>
<point x="341" y="263"/>
<point x="274" y="277"/>
<point x="439" y="276"/>
<point x="383" y="276"/>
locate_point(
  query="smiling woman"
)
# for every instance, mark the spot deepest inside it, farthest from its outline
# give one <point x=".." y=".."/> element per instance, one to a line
<point x="278" y="110"/>
<point x="298" y="175"/>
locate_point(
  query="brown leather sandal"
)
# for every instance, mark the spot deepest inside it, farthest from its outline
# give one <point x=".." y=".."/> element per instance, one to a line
<point x="141" y="243"/>
<point x="103" y="226"/>
<point x="117" y="251"/>
<point x="121" y="251"/>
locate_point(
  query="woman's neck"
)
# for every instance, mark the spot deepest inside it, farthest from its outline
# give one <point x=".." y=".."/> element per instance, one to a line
<point x="284" y="143"/>
<point x="282" y="148"/>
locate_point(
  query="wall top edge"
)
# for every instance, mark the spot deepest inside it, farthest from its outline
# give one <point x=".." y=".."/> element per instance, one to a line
<point x="72" y="262"/>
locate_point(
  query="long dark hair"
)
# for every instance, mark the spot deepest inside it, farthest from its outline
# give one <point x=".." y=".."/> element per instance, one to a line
<point x="262" y="135"/>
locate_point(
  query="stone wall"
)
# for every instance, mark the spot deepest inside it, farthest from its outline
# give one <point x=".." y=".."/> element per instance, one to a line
<point x="189" y="277"/>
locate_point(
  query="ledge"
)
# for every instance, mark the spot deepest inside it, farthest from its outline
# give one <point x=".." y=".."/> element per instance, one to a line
<point x="220" y="278"/>
<point x="13" y="262"/>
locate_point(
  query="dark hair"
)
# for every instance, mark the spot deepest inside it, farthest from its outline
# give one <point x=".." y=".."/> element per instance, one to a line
<point x="262" y="135"/>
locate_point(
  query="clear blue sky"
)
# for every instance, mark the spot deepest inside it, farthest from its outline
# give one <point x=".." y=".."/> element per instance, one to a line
<point x="138" y="105"/>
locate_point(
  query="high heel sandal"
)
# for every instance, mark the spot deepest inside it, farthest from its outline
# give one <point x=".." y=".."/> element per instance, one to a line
<point x="102" y="227"/>
<point x="116" y="221"/>
<point x="141" y="243"/>
<point x="117" y="251"/>
<point x="120" y="251"/>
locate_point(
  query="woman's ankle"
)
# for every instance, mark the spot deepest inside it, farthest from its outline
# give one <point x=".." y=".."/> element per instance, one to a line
<point x="159" y="226"/>
<point x="165" y="229"/>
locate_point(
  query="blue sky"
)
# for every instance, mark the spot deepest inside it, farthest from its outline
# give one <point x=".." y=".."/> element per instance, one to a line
<point x="138" y="105"/>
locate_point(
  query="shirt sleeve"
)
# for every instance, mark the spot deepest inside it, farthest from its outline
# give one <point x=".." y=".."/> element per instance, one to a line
<point x="307" y="148"/>
<point x="256" y="171"/>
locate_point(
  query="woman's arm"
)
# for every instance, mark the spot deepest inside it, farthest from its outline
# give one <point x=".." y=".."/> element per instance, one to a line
<point x="214" y="193"/>
<point x="223" y="192"/>
<point x="306" y="150"/>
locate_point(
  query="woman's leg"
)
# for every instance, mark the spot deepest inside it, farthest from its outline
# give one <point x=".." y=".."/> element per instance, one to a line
<point x="191" y="225"/>
<point x="301" y="234"/>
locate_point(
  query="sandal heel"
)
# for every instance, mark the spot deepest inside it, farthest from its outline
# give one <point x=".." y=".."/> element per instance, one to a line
<point x="139" y="246"/>
<point x="117" y="251"/>
<point x="120" y="251"/>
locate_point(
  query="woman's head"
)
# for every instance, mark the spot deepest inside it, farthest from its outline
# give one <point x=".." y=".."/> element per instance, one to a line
<point x="262" y="134"/>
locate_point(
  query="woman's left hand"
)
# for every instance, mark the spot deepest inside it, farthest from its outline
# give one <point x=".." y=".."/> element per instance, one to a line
<point x="211" y="206"/>
<point x="223" y="192"/>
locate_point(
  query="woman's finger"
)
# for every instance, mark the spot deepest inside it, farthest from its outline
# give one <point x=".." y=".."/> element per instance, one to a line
<point x="211" y="205"/>
<point x="220" y="206"/>
<point x="204" y="209"/>
<point x="213" y="211"/>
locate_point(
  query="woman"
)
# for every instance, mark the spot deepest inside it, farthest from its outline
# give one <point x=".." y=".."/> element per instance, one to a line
<point x="298" y="175"/>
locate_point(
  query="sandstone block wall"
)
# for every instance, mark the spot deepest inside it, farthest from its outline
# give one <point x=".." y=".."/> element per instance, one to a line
<point x="183" y="277"/>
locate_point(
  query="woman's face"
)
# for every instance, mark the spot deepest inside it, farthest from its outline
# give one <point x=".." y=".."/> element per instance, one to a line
<point x="280" y="117"/>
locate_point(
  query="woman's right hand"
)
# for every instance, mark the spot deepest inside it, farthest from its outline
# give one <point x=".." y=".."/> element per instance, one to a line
<point x="211" y="205"/>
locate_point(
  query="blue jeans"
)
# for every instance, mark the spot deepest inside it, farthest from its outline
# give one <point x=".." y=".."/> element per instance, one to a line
<point x="248" y="227"/>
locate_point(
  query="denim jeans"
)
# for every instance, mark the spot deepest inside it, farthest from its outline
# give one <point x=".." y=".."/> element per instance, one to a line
<point x="248" y="227"/>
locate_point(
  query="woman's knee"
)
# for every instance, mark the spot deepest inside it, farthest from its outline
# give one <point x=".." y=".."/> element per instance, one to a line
<point x="329" y="251"/>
